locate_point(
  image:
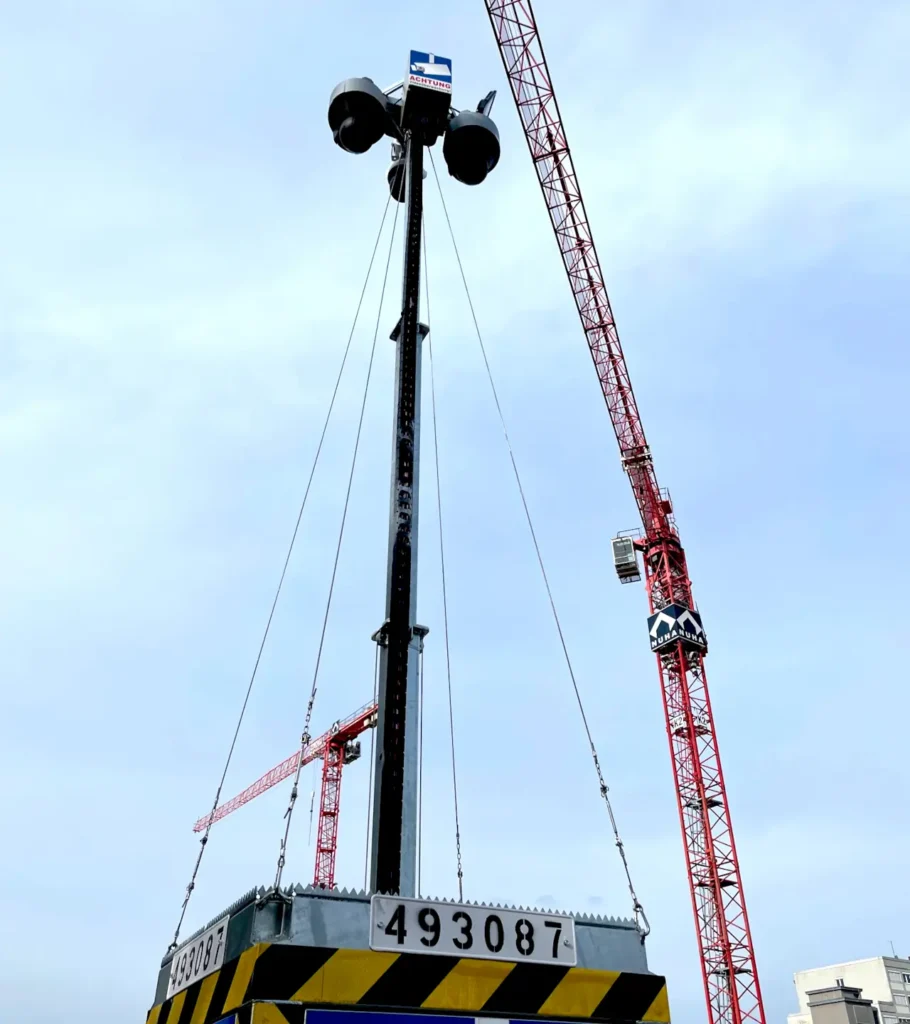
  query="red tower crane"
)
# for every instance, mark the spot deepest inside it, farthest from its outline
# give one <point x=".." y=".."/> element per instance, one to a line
<point x="728" y="961"/>
<point x="337" y="747"/>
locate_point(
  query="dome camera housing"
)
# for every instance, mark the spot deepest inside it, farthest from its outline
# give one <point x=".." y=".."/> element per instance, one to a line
<point x="358" y="115"/>
<point x="396" y="175"/>
<point x="471" y="147"/>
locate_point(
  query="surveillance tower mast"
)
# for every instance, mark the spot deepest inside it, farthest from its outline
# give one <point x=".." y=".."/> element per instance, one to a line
<point x="359" y="115"/>
<point x="308" y="955"/>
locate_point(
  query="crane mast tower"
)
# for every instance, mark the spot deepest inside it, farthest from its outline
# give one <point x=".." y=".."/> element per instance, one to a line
<point x="677" y="637"/>
<point x="335" y="748"/>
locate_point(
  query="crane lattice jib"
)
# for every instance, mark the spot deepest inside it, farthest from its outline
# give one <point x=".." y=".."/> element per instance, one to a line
<point x="347" y="729"/>
<point x="523" y="57"/>
<point x="728" y="961"/>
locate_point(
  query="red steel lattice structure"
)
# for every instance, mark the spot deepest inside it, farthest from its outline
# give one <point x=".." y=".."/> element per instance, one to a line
<point x="337" y="747"/>
<point x="731" y="979"/>
<point x="333" y="761"/>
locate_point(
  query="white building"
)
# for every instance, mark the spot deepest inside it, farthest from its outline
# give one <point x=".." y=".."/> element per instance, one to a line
<point x="884" y="979"/>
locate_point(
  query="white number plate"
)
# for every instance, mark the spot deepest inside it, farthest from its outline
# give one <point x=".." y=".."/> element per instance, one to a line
<point x="451" y="929"/>
<point x="195" y="959"/>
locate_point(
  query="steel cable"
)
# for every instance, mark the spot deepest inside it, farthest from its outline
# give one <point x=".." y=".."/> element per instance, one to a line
<point x="420" y="771"/>
<point x="305" y="737"/>
<point x="203" y="842"/>
<point x="442" y="562"/>
<point x="641" y="920"/>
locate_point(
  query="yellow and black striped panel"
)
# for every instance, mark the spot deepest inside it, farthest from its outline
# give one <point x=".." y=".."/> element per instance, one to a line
<point x="311" y="975"/>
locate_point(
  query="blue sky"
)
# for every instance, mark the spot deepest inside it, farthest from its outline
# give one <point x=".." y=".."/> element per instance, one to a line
<point x="182" y="251"/>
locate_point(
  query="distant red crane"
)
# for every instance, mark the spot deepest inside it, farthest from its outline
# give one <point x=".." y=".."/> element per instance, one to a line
<point x="337" y="747"/>
<point x="677" y="637"/>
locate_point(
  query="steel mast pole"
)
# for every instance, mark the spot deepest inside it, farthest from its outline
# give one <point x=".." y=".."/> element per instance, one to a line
<point x="393" y="860"/>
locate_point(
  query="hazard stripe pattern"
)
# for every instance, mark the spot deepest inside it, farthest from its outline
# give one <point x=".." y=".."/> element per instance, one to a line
<point x="300" y="976"/>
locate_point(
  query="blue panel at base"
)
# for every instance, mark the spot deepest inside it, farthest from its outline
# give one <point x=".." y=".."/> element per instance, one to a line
<point x="229" y="1020"/>
<point x="370" y="1017"/>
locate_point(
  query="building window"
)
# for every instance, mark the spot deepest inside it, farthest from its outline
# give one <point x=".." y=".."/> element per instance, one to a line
<point x="895" y="976"/>
<point x="839" y="982"/>
<point x="906" y="978"/>
<point x="902" y="1001"/>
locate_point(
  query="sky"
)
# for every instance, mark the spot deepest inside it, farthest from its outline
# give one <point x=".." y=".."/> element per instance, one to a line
<point x="182" y="252"/>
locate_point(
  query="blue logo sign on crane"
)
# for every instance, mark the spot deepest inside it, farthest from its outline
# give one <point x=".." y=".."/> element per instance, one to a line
<point x="674" y="623"/>
<point x="430" y="71"/>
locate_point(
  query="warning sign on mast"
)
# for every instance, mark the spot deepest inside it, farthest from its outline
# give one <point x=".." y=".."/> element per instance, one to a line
<point x="430" y="71"/>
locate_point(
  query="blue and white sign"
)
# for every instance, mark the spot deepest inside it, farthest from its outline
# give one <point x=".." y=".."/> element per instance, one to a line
<point x="430" y="71"/>
<point x="674" y="623"/>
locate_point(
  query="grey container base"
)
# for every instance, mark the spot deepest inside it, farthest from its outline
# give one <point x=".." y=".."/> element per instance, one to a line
<point x="304" y="916"/>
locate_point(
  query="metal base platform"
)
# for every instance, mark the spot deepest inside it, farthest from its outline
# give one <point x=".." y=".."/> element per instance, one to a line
<point x="308" y="950"/>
